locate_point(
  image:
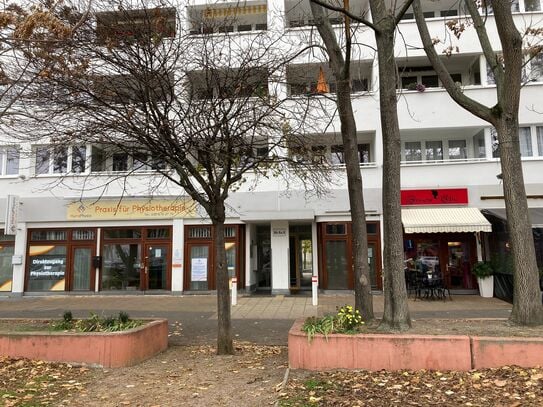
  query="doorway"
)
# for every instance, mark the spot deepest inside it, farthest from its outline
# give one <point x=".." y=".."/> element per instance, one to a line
<point x="263" y="256"/>
<point x="300" y="257"/>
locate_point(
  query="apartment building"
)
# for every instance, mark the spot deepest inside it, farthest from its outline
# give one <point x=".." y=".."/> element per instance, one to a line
<point x="453" y="213"/>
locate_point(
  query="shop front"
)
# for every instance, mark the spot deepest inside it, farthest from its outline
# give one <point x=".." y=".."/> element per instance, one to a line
<point x="442" y="240"/>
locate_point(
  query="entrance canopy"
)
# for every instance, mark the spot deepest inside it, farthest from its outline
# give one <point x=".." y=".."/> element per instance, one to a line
<point x="536" y="215"/>
<point x="444" y="220"/>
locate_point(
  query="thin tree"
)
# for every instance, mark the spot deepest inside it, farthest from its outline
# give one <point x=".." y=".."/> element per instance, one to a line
<point x="384" y="23"/>
<point x="506" y="67"/>
<point x="195" y="109"/>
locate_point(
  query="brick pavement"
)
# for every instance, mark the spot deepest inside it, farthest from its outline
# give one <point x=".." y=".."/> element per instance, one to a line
<point x="262" y="319"/>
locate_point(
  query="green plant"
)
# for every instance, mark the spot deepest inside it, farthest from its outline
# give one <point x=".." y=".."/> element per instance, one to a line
<point x="347" y="320"/>
<point x="482" y="269"/>
<point x="67" y="316"/>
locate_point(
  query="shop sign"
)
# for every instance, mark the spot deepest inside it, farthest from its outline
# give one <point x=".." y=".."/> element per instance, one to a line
<point x="279" y="232"/>
<point x="450" y="196"/>
<point x="47" y="267"/>
<point x="131" y="209"/>
<point x="12" y="215"/>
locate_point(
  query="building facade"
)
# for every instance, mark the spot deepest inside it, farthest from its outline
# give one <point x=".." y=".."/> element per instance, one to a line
<point x="277" y="240"/>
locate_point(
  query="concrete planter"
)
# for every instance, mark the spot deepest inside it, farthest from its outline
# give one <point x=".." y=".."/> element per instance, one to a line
<point x="486" y="286"/>
<point x="411" y="352"/>
<point x="111" y="349"/>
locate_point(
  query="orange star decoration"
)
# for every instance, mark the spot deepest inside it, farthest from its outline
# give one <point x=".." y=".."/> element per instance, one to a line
<point x="322" y="85"/>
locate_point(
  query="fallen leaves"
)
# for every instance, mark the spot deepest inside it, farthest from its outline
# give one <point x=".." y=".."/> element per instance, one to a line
<point x="25" y="382"/>
<point x="508" y="386"/>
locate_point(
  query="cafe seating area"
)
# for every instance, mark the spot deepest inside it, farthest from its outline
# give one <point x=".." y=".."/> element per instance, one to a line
<point x="426" y="283"/>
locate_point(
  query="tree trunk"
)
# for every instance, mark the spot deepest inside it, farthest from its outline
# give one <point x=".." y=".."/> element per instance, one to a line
<point x="341" y="69"/>
<point x="396" y="310"/>
<point x="362" y="283"/>
<point x="224" y="335"/>
<point x="527" y="308"/>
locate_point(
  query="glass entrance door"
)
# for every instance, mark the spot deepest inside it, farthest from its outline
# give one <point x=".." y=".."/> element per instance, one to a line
<point x="156" y="266"/>
<point x="337" y="264"/>
<point x="199" y="262"/>
<point x="83" y="273"/>
<point x="458" y="265"/>
<point x="301" y="257"/>
<point x="263" y="255"/>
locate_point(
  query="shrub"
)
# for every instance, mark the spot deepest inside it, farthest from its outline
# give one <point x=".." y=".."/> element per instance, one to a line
<point x="482" y="269"/>
<point x="95" y="323"/>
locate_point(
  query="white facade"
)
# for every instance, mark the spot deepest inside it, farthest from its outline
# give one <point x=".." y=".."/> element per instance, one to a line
<point x="279" y="239"/>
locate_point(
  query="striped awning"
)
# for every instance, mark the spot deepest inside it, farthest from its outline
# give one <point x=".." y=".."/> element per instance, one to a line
<point x="444" y="220"/>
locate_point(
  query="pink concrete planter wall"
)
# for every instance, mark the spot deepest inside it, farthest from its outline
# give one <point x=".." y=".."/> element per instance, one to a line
<point x="376" y="352"/>
<point x="411" y="352"/>
<point x="496" y="352"/>
<point x="112" y="349"/>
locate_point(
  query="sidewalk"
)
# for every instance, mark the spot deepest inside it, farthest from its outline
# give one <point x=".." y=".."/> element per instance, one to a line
<point x="259" y="319"/>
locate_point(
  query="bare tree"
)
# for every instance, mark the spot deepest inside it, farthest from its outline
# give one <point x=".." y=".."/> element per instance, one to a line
<point x="506" y="68"/>
<point x="384" y="23"/>
<point x="195" y="108"/>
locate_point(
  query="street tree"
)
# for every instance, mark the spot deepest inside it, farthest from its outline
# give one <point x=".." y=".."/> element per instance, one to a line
<point x="506" y="66"/>
<point x="202" y="110"/>
<point x="384" y="25"/>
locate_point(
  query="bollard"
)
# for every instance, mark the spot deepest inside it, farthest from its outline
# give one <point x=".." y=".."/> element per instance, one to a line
<point x="314" y="288"/>
<point x="234" y="291"/>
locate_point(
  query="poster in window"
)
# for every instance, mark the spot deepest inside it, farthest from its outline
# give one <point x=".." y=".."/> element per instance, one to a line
<point x="47" y="268"/>
<point x="198" y="268"/>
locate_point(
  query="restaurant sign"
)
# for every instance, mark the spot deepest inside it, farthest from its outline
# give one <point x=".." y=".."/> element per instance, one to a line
<point x="421" y="197"/>
<point x="113" y="209"/>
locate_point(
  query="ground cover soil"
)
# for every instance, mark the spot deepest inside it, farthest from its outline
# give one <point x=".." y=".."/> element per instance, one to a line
<point x="181" y="376"/>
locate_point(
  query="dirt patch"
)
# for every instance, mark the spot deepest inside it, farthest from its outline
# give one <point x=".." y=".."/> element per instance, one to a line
<point x="183" y="375"/>
<point x="470" y="327"/>
<point x="507" y="386"/>
<point x="24" y="325"/>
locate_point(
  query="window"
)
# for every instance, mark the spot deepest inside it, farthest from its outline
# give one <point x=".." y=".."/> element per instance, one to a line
<point x="9" y="161"/>
<point x="457" y="150"/>
<point x="525" y="139"/>
<point x="54" y="160"/>
<point x="448" y="13"/>
<point x="120" y="162"/>
<point x="413" y="151"/>
<point x="532" y="5"/>
<point x="479" y="149"/>
<point x="495" y="143"/>
<point x="336" y="228"/>
<point x="122" y="233"/>
<point x="337" y="156"/>
<point x="536" y="68"/>
<point x="48" y="235"/>
<point x="146" y="87"/>
<point x="539" y="131"/>
<point x="83" y="234"/>
<point x="364" y="156"/>
<point x="434" y="150"/>
<point x="158" y="233"/>
<point x="203" y="232"/>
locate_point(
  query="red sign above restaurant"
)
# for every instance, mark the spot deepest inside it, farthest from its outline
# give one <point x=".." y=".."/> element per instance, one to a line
<point x="453" y="196"/>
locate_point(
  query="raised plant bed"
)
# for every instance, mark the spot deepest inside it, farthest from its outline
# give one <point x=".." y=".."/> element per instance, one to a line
<point x="410" y="351"/>
<point x="103" y="349"/>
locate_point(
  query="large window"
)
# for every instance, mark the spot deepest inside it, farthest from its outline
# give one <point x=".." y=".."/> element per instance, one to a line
<point x="122" y="161"/>
<point x="7" y="243"/>
<point x="434" y="150"/>
<point x="525" y="140"/>
<point x="59" y="159"/>
<point x="457" y="150"/>
<point x="9" y="161"/>
<point x="61" y="260"/>
<point x="413" y="151"/>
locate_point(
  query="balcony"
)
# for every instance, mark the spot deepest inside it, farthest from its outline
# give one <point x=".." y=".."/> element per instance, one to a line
<point x="314" y="79"/>
<point x="228" y="18"/>
<point x="298" y="13"/>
